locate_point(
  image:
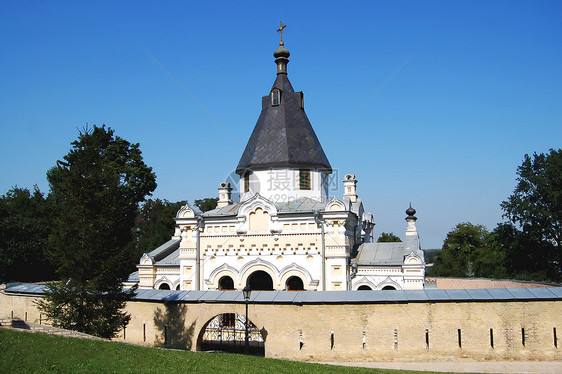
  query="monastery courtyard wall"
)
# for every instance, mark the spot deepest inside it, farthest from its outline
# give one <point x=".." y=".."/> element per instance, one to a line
<point x="406" y="331"/>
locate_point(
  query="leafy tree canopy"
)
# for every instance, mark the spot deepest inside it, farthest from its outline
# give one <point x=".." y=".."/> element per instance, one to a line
<point x="25" y="223"/>
<point x="430" y="255"/>
<point x="520" y="255"/>
<point x="536" y="202"/>
<point x="388" y="237"/>
<point x="98" y="186"/>
<point x="155" y="224"/>
<point x="460" y="250"/>
<point x="206" y="204"/>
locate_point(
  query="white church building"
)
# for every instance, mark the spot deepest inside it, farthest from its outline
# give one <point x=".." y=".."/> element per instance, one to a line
<point x="285" y="233"/>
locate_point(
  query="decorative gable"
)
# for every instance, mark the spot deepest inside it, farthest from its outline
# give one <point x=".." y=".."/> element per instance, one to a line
<point x="146" y="259"/>
<point x="335" y="205"/>
<point x="412" y="259"/>
<point x="187" y="211"/>
<point x="257" y="214"/>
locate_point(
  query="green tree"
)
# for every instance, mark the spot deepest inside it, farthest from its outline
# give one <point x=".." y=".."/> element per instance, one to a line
<point x="388" y="237"/>
<point x="206" y="204"/>
<point x="536" y="203"/>
<point x="98" y="186"/>
<point x="521" y="255"/>
<point x="25" y="224"/>
<point x="461" y="248"/>
<point x="430" y="255"/>
<point x="155" y="224"/>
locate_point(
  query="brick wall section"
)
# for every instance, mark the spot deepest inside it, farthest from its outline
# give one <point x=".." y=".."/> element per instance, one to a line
<point x="395" y="331"/>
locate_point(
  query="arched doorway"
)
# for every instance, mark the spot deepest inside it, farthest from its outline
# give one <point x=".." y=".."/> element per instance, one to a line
<point x="295" y="283"/>
<point x="164" y="286"/>
<point x="227" y="333"/>
<point x="385" y="288"/>
<point x="226" y="283"/>
<point x="260" y="281"/>
<point x="364" y="288"/>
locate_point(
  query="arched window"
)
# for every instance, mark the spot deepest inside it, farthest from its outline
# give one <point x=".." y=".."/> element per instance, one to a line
<point x="365" y="288"/>
<point x="295" y="284"/>
<point x="275" y="97"/>
<point x="388" y="288"/>
<point x="260" y="281"/>
<point x="226" y="283"/>
<point x="164" y="286"/>
<point x="178" y="287"/>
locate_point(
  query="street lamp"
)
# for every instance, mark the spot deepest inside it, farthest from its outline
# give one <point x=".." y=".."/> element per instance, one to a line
<point x="247" y="291"/>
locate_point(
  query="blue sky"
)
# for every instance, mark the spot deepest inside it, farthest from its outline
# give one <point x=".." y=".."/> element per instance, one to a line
<point x="432" y="102"/>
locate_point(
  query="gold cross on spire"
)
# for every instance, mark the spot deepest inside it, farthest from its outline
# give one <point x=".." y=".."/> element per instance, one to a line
<point x="280" y="30"/>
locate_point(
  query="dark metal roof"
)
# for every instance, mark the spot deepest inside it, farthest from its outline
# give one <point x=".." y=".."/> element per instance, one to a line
<point x="303" y="204"/>
<point x="339" y="297"/>
<point x="300" y="205"/>
<point x="283" y="135"/>
<point x="229" y="210"/>
<point x="329" y="297"/>
<point x="381" y="253"/>
<point x="133" y="277"/>
<point x="171" y="259"/>
<point x="165" y="249"/>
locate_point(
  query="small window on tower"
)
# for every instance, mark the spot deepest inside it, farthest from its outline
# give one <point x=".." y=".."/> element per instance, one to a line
<point x="275" y="97"/>
<point x="304" y="179"/>
<point x="247" y="181"/>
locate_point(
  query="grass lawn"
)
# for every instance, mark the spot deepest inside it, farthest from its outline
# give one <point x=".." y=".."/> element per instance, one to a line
<point x="23" y="352"/>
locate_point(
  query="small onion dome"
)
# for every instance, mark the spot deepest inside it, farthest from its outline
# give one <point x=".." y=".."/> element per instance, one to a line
<point x="410" y="212"/>
<point x="281" y="52"/>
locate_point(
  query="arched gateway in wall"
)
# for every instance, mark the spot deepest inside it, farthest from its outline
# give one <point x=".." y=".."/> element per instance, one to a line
<point x="226" y="332"/>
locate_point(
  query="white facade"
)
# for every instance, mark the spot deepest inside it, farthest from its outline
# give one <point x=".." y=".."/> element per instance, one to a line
<point x="283" y="184"/>
<point x="286" y="233"/>
<point x="221" y="249"/>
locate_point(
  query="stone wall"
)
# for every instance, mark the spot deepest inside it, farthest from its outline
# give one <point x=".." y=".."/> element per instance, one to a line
<point x="443" y="283"/>
<point x="378" y="331"/>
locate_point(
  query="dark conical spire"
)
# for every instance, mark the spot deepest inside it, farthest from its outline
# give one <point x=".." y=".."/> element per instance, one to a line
<point x="283" y="136"/>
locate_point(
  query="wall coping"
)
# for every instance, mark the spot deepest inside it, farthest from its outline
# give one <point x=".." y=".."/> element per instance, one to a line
<point x="327" y="297"/>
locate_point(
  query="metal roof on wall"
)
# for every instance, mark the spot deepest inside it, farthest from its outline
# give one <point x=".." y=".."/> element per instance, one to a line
<point x="329" y="297"/>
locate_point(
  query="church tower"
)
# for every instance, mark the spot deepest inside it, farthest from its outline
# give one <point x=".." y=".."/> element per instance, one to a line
<point x="283" y="160"/>
<point x="284" y="234"/>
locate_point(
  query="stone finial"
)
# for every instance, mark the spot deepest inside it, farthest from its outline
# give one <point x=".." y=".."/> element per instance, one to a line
<point x="410" y="212"/>
<point x="225" y="192"/>
<point x="350" y="187"/>
<point x="411" y="219"/>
